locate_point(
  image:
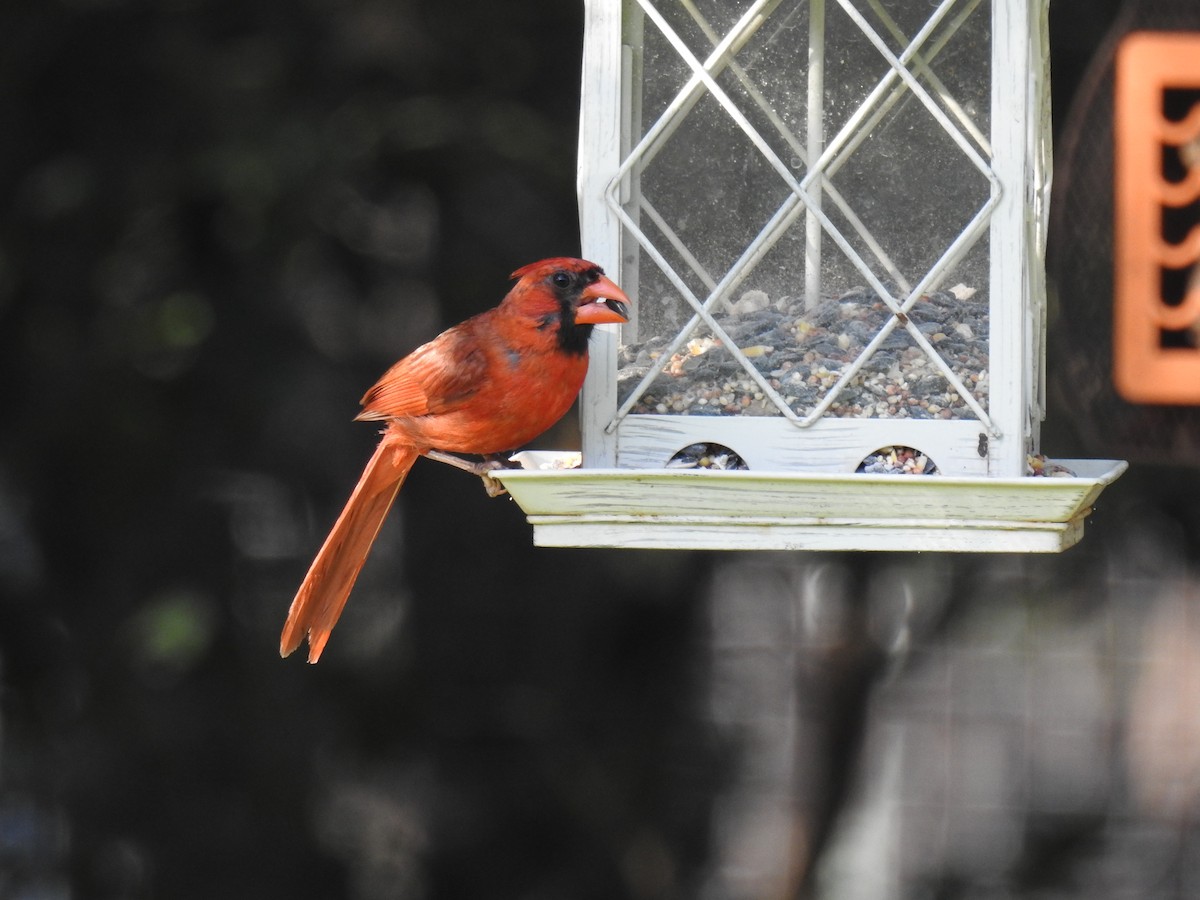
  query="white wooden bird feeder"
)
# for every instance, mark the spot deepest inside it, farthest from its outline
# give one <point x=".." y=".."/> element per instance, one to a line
<point x="830" y="215"/>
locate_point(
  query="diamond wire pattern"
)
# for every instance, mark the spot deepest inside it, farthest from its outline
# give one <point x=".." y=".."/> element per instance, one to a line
<point x="834" y="153"/>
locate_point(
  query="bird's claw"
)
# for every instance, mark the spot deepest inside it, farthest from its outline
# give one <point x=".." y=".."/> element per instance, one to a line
<point x="493" y="487"/>
<point x="483" y="469"/>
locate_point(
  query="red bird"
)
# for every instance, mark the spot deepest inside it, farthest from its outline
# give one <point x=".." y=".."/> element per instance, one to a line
<point x="486" y="386"/>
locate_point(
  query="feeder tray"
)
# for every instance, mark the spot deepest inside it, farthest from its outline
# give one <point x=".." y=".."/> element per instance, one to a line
<point x="752" y="510"/>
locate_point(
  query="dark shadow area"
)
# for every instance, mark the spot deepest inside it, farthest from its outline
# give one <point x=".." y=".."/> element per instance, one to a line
<point x="219" y="223"/>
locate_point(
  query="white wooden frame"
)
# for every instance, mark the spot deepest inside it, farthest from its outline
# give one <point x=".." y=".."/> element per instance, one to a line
<point x="1007" y="432"/>
<point x="801" y="491"/>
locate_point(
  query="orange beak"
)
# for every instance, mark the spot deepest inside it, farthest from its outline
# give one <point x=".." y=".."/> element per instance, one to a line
<point x="602" y="301"/>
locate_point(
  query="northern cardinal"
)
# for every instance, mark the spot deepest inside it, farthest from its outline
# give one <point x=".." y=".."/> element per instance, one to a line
<point x="485" y="386"/>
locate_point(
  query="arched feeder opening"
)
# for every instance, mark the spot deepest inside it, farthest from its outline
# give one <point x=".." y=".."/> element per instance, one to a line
<point x="707" y="455"/>
<point x="897" y="461"/>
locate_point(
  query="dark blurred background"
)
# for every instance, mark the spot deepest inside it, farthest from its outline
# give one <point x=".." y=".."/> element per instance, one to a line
<point x="219" y="222"/>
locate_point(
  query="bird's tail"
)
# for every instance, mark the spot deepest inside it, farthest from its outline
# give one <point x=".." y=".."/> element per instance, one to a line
<point x="323" y="594"/>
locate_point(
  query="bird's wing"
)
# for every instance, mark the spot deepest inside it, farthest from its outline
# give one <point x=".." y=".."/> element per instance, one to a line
<point x="434" y="378"/>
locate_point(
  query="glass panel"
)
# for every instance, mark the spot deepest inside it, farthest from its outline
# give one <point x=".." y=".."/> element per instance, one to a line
<point x="807" y="257"/>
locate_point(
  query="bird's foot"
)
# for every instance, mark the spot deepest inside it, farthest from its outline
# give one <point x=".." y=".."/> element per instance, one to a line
<point x="483" y="469"/>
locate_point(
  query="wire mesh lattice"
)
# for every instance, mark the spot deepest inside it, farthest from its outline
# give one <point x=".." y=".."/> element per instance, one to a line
<point x="797" y="222"/>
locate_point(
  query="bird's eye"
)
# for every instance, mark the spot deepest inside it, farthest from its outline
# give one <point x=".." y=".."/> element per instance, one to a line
<point x="561" y="279"/>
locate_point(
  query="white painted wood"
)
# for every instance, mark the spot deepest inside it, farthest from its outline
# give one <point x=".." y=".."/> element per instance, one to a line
<point x="1017" y="260"/>
<point x="694" y="492"/>
<point x="956" y="537"/>
<point x="600" y="232"/>
<point x="830" y="445"/>
<point x="783" y="510"/>
<point x="1041" y="150"/>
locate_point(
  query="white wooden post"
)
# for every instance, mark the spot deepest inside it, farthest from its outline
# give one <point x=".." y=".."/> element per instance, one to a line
<point x="606" y="74"/>
<point x="1019" y="63"/>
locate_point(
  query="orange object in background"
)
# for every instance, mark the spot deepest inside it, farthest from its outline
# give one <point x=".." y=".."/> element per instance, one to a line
<point x="1156" y="331"/>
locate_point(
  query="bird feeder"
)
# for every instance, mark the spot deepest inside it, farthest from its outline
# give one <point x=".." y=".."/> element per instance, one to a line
<point x="831" y="217"/>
